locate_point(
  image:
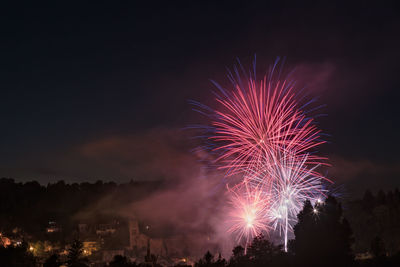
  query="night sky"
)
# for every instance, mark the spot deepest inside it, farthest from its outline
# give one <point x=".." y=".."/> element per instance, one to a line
<point x="100" y="91"/>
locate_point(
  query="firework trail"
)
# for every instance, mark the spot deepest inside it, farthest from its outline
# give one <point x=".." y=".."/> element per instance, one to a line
<point x="258" y="117"/>
<point x="261" y="132"/>
<point x="289" y="182"/>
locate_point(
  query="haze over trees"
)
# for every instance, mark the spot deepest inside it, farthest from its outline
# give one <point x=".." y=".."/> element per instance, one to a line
<point x="328" y="234"/>
<point x="323" y="237"/>
<point x="60" y="202"/>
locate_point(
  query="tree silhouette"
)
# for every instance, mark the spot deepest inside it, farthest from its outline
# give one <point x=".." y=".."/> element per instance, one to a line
<point x="368" y="201"/>
<point x="381" y="198"/>
<point x="322" y="236"/>
<point x="378" y="247"/>
<point x="304" y="231"/>
<point x="121" y="261"/>
<point x="220" y="262"/>
<point x="75" y="255"/>
<point x="208" y="261"/>
<point x="262" y="252"/>
<point x="238" y="257"/>
<point x="17" y="256"/>
<point x="52" y="261"/>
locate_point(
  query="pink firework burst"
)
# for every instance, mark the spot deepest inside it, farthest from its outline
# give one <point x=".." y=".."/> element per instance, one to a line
<point x="249" y="209"/>
<point x="257" y="118"/>
<point x="262" y="134"/>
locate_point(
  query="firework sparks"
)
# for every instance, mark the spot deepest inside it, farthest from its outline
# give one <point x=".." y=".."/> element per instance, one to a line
<point x="259" y="117"/>
<point x="261" y="132"/>
<point x="249" y="209"/>
<point x="289" y="182"/>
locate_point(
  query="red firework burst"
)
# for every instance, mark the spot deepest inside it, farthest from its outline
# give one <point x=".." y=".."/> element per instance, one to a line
<point x="259" y="118"/>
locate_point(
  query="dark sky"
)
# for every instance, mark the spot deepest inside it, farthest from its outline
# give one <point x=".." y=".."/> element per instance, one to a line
<point x="99" y="91"/>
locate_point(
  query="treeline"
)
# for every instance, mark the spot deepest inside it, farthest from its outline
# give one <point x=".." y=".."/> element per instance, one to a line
<point x="375" y="216"/>
<point x="30" y="206"/>
<point x="323" y="237"/>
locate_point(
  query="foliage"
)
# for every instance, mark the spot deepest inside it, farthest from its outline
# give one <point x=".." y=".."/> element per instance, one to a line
<point x="262" y="252"/>
<point x="322" y="238"/>
<point x="52" y="261"/>
<point x="75" y="255"/>
<point x="60" y="202"/>
<point x="121" y="261"/>
<point x="238" y="257"/>
<point x="322" y="235"/>
<point x="378" y="247"/>
<point x="18" y="256"/>
<point x="375" y="215"/>
<point x="209" y="261"/>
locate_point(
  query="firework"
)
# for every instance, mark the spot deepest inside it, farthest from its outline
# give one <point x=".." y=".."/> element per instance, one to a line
<point x="288" y="182"/>
<point x="261" y="132"/>
<point x="257" y="118"/>
<point x="249" y="212"/>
